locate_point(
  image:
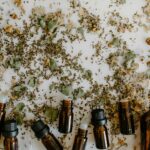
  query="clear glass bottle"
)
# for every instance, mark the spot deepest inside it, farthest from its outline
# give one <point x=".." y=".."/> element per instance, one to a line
<point x="126" y="118"/>
<point x="100" y="131"/>
<point x="66" y="117"/>
<point x="10" y="132"/>
<point x="81" y="138"/>
<point x="41" y="131"/>
<point x="145" y="131"/>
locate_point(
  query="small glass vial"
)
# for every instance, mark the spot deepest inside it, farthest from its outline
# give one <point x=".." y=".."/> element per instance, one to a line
<point x="145" y="131"/>
<point x="81" y="138"/>
<point x="3" y="101"/>
<point x="126" y="118"/>
<point x="41" y="131"/>
<point x="2" y="115"/>
<point x="10" y="132"/>
<point x="66" y="117"/>
<point x="100" y="131"/>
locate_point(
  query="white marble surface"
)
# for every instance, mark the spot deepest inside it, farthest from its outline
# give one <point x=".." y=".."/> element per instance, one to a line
<point x="100" y="7"/>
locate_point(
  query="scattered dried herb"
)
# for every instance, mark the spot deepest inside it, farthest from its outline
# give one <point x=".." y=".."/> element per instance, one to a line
<point x="46" y="58"/>
<point x="89" y="20"/>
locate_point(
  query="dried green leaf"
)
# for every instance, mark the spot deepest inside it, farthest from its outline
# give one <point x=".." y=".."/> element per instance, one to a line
<point x="81" y="31"/>
<point x="1" y="57"/>
<point x="19" y="118"/>
<point x="88" y="74"/>
<point x="78" y="93"/>
<point x="51" y="113"/>
<point x="52" y="25"/>
<point x="52" y="86"/>
<point x="14" y="62"/>
<point x="52" y="65"/>
<point x="115" y="42"/>
<point x="32" y="82"/>
<point x="121" y="1"/>
<point x="129" y="60"/>
<point x="18" y="90"/>
<point x="19" y="107"/>
<point x="42" y="23"/>
<point x="129" y="55"/>
<point x="65" y="89"/>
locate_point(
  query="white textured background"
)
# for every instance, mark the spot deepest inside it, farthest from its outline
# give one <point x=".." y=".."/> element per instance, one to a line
<point x="98" y="7"/>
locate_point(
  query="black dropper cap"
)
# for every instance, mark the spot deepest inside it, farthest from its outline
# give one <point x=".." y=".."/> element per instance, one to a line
<point x="98" y="117"/>
<point x="10" y="128"/>
<point x="40" y="129"/>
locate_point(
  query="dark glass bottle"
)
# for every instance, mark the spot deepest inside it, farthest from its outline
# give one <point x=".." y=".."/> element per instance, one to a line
<point x="10" y="132"/>
<point x="41" y="131"/>
<point x="126" y="118"/>
<point x="81" y="138"/>
<point x="100" y="131"/>
<point x="66" y="117"/>
<point x="145" y="131"/>
<point x="2" y="115"/>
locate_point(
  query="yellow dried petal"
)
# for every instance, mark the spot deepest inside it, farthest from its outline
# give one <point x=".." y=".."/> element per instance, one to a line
<point x="9" y="29"/>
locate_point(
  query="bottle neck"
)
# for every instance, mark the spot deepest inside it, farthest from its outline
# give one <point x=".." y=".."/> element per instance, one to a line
<point x="67" y="104"/>
<point x="124" y="105"/>
<point x="99" y="125"/>
<point x="11" y="138"/>
<point x="47" y="134"/>
<point x="82" y="133"/>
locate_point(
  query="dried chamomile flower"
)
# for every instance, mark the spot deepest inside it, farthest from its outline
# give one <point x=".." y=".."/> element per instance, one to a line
<point x="146" y="9"/>
<point x="89" y="21"/>
<point x="9" y="29"/>
<point x="18" y="2"/>
<point x="147" y="41"/>
<point x="13" y="16"/>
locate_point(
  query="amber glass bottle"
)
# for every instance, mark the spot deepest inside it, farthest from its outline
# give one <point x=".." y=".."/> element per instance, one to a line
<point x="81" y="138"/>
<point x="145" y="131"/>
<point x="2" y="115"/>
<point x="48" y="139"/>
<point x="100" y="131"/>
<point x="66" y="117"/>
<point x="10" y="132"/>
<point x="126" y="118"/>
